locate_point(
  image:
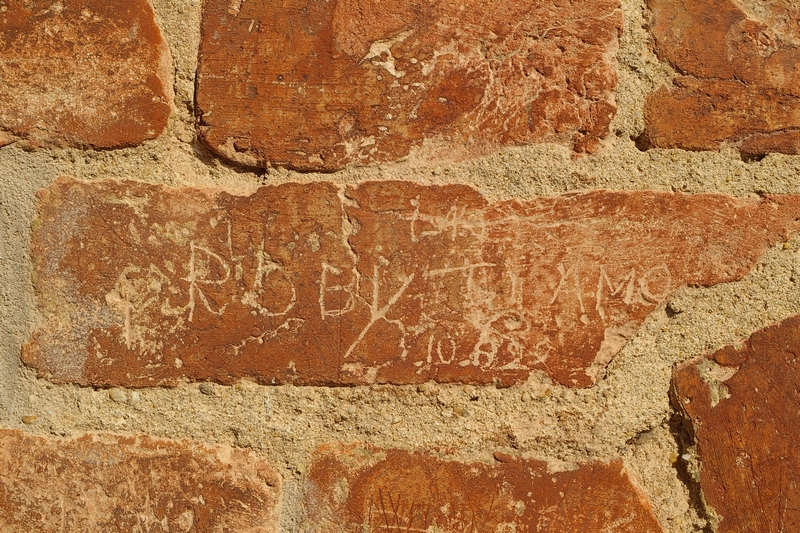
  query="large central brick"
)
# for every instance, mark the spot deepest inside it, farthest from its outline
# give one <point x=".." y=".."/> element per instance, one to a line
<point x="382" y="282"/>
<point x="318" y="85"/>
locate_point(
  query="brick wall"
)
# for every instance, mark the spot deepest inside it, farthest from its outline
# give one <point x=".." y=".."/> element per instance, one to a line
<point x="399" y="266"/>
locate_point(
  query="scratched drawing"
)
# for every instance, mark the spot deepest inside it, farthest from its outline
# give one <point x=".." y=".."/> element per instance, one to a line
<point x="357" y="489"/>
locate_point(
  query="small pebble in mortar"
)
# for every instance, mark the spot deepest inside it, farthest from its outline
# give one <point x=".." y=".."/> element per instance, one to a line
<point x="118" y="395"/>
<point x="134" y="399"/>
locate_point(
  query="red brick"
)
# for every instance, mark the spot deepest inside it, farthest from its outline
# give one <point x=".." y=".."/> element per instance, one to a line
<point x="743" y="418"/>
<point x="385" y="282"/>
<point x="85" y="73"/>
<point x="101" y="483"/>
<point x="358" y="489"/>
<point x="740" y="83"/>
<point x="317" y="86"/>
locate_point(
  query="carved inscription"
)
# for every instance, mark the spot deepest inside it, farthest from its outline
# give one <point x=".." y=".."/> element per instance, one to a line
<point x="385" y="282"/>
<point x="358" y="489"/>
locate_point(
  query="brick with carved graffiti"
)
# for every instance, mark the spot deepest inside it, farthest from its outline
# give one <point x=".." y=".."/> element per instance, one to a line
<point x="367" y="489"/>
<point x="379" y="282"/>
<point x="316" y="86"/>
<point x="85" y="73"/>
<point x="740" y="408"/>
<point x="97" y="483"/>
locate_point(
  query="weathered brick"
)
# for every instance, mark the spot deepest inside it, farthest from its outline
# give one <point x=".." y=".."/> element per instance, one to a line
<point x="316" y="86"/>
<point x="358" y="489"/>
<point x="386" y="282"/>
<point x="739" y="79"/>
<point x="101" y="483"/>
<point x="741" y="406"/>
<point x="85" y="73"/>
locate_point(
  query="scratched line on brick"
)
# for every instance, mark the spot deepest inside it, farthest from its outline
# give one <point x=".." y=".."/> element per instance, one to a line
<point x="383" y="282"/>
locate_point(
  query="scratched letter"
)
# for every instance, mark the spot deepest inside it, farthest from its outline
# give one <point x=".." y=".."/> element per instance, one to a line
<point x="200" y="266"/>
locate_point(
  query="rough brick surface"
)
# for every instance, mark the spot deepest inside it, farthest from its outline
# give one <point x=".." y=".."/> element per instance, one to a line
<point x="739" y="79"/>
<point x="102" y="483"/>
<point x="741" y="406"/>
<point x="362" y="489"/>
<point x="323" y="84"/>
<point x="85" y="73"/>
<point x="384" y="282"/>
